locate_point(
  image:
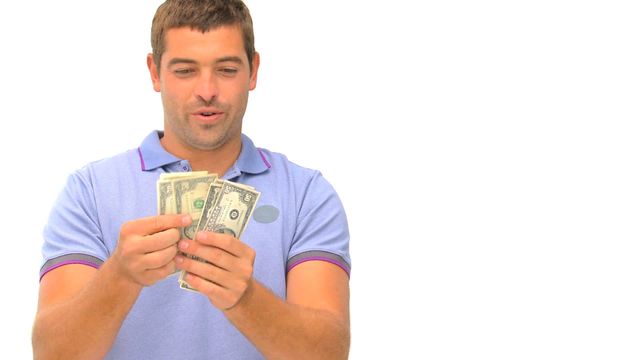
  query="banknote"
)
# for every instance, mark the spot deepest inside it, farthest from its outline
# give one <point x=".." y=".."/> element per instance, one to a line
<point x="165" y="190"/>
<point x="212" y="196"/>
<point x="178" y="175"/>
<point x="214" y="205"/>
<point x="190" y="194"/>
<point x="227" y="209"/>
<point x="231" y="211"/>
<point x="214" y="190"/>
<point x="167" y="185"/>
<point x="166" y="200"/>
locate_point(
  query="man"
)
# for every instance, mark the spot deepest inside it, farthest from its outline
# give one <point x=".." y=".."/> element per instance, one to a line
<point x="279" y="292"/>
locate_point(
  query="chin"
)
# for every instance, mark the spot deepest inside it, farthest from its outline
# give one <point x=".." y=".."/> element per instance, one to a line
<point x="209" y="143"/>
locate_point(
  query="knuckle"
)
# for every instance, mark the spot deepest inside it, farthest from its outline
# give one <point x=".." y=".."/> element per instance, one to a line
<point x="227" y="240"/>
<point x="174" y="233"/>
<point x="196" y="283"/>
<point x="216" y="254"/>
<point x="247" y="271"/>
<point x="172" y="252"/>
<point x="125" y="229"/>
<point x="127" y="247"/>
<point x="166" y="256"/>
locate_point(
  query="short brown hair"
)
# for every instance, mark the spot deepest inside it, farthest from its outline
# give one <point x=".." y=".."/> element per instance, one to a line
<point x="202" y="15"/>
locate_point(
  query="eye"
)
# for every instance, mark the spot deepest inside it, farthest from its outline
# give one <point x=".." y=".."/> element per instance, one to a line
<point x="228" y="71"/>
<point x="183" y="72"/>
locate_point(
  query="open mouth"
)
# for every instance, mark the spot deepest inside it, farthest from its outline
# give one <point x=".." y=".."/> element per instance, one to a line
<point x="207" y="113"/>
<point x="208" y="117"/>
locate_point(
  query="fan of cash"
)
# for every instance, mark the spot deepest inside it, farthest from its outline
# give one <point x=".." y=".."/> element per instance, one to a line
<point x="214" y="205"/>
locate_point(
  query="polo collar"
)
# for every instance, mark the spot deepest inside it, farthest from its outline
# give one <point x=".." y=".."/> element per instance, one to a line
<point x="153" y="155"/>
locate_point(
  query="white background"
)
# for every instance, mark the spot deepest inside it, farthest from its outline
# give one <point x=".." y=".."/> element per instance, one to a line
<point x="486" y="153"/>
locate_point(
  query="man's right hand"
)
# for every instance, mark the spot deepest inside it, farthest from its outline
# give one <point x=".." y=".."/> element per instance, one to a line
<point x="147" y="247"/>
<point x="70" y="294"/>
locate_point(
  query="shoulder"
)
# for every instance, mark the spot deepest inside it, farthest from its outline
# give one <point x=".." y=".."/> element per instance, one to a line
<point x="108" y="168"/>
<point x="127" y="159"/>
<point x="280" y="163"/>
<point x="307" y="187"/>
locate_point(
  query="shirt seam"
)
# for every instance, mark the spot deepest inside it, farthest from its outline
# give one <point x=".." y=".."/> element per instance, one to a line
<point x="97" y="215"/>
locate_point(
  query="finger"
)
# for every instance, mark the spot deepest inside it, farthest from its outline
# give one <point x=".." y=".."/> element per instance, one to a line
<point x="222" y="298"/>
<point x="225" y="242"/>
<point x="203" y="285"/>
<point x="160" y="273"/>
<point x="153" y="224"/>
<point x="159" y="259"/>
<point x="206" y="271"/>
<point x="214" y="255"/>
<point x="158" y="241"/>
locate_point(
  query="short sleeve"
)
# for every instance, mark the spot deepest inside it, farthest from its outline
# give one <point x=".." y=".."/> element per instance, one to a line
<point x="72" y="234"/>
<point x="322" y="232"/>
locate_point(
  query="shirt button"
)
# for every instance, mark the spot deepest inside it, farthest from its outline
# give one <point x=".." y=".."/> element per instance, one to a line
<point x="185" y="168"/>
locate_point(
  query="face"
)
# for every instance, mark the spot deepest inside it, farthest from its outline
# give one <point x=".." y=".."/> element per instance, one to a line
<point x="204" y="80"/>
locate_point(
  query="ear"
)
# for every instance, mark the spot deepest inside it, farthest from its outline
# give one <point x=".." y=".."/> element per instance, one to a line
<point x="254" y="73"/>
<point x="153" y="71"/>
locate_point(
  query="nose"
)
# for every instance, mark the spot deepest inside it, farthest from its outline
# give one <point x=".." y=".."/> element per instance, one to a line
<point x="207" y="88"/>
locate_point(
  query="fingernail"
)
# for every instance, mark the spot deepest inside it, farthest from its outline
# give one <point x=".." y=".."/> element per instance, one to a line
<point x="186" y="220"/>
<point x="179" y="259"/>
<point x="201" y="236"/>
<point x="183" y="244"/>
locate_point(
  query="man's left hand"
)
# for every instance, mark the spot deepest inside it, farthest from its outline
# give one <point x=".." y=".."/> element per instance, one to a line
<point x="227" y="276"/>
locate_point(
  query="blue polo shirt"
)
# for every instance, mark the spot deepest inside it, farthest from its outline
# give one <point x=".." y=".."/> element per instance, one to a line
<point x="298" y="218"/>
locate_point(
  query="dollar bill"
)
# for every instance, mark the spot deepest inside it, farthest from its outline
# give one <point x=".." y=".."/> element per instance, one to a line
<point x="214" y="190"/>
<point x="212" y="196"/>
<point x="170" y="184"/>
<point x="227" y="209"/>
<point x="166" y="200"/>
<point x="178" y="175"/>
<point x="165" y="190"/>
<point x="190" y="194"/>
<point x="231" y="211"/>
<point x="214" y="205"/>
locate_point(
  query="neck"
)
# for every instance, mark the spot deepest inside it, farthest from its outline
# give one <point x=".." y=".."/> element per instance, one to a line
<point x="216" y="161"/>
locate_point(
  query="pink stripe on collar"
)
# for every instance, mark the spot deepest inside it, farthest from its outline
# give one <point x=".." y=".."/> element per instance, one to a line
<point x="264" y="159"/>
<point x="141" y="160"/>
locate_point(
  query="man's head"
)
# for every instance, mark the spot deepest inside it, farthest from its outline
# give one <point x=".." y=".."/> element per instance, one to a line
<point x="202" y="15"/>
<point x="204" y="66"/>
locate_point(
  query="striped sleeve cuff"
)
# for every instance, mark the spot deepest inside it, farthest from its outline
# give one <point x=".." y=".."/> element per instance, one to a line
<point x="319" y="256"/>
<point x="69" y="259"/>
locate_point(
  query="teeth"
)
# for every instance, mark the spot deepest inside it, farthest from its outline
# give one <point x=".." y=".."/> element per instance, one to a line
<point x="207" y="113"/>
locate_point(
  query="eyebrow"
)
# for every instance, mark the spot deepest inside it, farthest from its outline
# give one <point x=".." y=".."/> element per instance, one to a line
<point x="235" y="59"/>
<point x="181" y="61"/>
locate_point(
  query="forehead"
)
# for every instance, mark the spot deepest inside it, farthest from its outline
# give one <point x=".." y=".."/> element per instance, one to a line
<point x="185" y="42"/>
